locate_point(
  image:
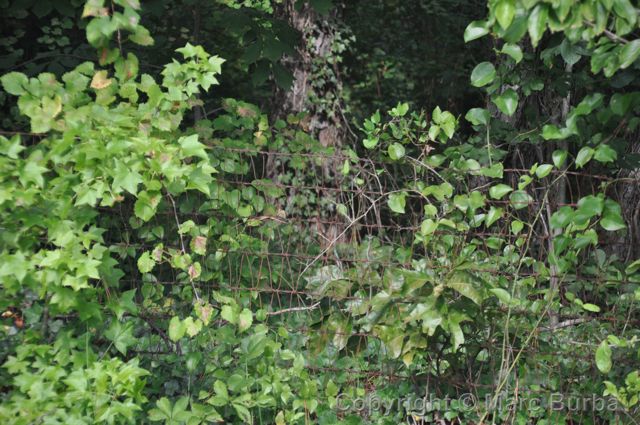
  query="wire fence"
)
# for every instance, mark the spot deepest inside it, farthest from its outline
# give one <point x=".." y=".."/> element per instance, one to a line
<point x="327" y="213"/>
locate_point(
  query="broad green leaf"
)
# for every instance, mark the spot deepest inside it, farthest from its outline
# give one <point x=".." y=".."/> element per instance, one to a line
<point x="493" y="215"/>
<point x="192" y="147"/>
<point x="14" y="83"/>
<point x="603" y="357"/>
<point x="229" y="314"/>
<point x="396" y="151"/>
<point x="177" y="328"/>
<point x="612" y="216"/>
<point x="505" y="11"/>
<point x="629" y="53"/>
<point x="507" y="102"/>
<point x="520" y="199"/>
<point x="502" y="294"/>
<point x="475" y="30"/>
<point x="146" y="204"/>
<point x="484" y="73"/>
<point x="462" y="282"/>
<point x="498" y="191"/>
<point x="477" y="116"/>
<point x="584" y="155"/>
<point x="146" y="263"/>
<point x="591" y="307"/>
<point x="537" y="23"/>
<point x="605" y="153"/>
<point x="559" y="157"/>
<point x="513" y="50"/>
<point x="397" y="202"/>
<point x="543" y="170"/>
<point x="245" y="319"/>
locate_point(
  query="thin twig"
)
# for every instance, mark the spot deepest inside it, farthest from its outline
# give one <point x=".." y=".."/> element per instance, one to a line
<point x="292" y="309"/>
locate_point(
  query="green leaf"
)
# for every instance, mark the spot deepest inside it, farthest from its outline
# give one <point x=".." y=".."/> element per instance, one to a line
<point x="505" y="11"/>
<point x="493" y="215"/>
<point x="507" y="102"/>
<point x="498" y="191"/>
<point x="245" y="319"/>
<point x="191" y="147"/>
<point x="513" y="50"/>
<point x="121" y="335"/>
<point x="126" y="178"/>
<point x="537" y="23"/>
<point x="591" y="307"/>
<point x="584" y="156"/>
<point x="14" y="83"/>
<point x="177" y="328"/>
<point x="396" y="151"/>
<point x="520" y="199"/>
<point x="397" y="202"/>
<point x="612" y="216"/>
<point x="192" y="327"/>
<point x="229" y="314"/>
<point x="629" y="53"/>
<point x="605" y="153"/>
<point x="146" y="204"/>
<point x="475" y="30"/>
<point x="502" y="294"/>
<point x="543" y="170"/>
<point x="146" y="263"/>
<point x="551" y="132"/>
<point x="484" y="73"/>
<point x="370" y="142"/>
<point x="462" y="282"/>
<point x="477" y="116"/>
<point x="603" y="357"/>
<point x="562" y="217"/>
<point x="559" y="157"/>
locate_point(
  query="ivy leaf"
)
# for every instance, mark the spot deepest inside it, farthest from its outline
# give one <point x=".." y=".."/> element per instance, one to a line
<point x="177" y="329"/>
<point x="192" y="327"/>
<point x="397" y="202"/>
<point x="14" y="83"/>
<point x="603" y="357"/>
<point x="520" y="199"/>
<point x="484" y="73"/>
<point x="121" y="336"/>
<point x="559" y="157"/>
<point x="229" y="314"/>
<point x="498" y="191"/>
<point x="146" y="263"/>
<point x="100" y="80"/>
<point x="396" y="151"/>
<point x="477" y="116"/>
<point x="584" y="155"/>
<point x="612" y="216"/>
<point x="191" y="147"/>
<point x="146" y="204"/>
<point x="245" y="319"/>
<point x="126" y="178"/>
<point x="543" y="170"/>
<point x="493" y="215"/>
<point x="605" y="153"/>
<point x="507" y="102"/>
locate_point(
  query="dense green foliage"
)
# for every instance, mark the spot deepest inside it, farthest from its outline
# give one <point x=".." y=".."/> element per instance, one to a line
<point x="170" y="252"/>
